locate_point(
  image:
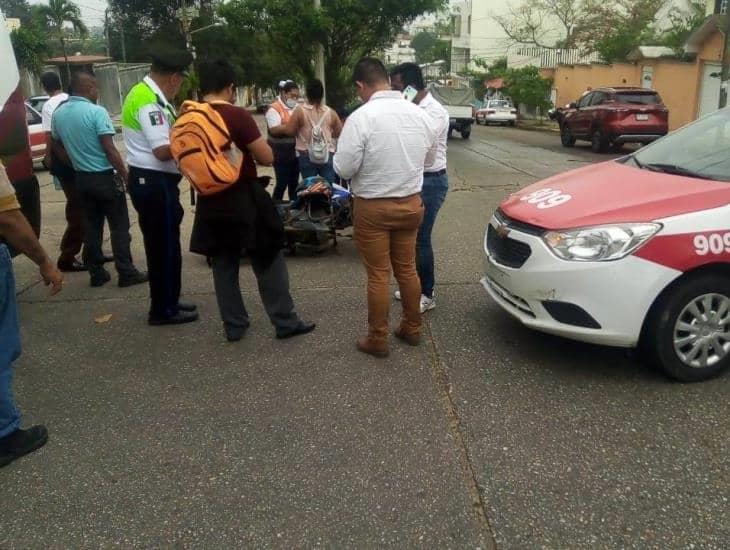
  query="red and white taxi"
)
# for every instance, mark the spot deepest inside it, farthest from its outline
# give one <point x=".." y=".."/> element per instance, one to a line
<point x="632" y="252"/>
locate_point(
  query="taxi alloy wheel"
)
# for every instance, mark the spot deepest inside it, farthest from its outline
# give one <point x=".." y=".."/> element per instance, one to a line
<point x="688" y="335"/>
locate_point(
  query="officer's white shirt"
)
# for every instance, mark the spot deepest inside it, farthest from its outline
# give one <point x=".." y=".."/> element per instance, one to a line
<point x="155" y="133"/>
<point x="49" y="108"/>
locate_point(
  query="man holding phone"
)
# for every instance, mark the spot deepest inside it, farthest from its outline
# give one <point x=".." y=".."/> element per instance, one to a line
<point x="408" y="78"/>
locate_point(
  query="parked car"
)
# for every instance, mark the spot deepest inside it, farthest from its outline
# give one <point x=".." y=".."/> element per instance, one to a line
<point x="632" y="252"/>
<point x="497" y="111"/>
<point x="37" y="102"/>
<point x="263" y="104"/>
<point x="614" y="116"/>
<point x="35" y="133"/>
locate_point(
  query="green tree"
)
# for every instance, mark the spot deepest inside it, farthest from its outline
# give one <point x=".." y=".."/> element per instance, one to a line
<point x="18" y="9"/>
<point x="683" y="24"/>
<point x="136" y="26"/>
<point x="430" y="47"/>
<point x="610" y="27"/>
<point x="57" y="14"/>
<point x="525" y="86"/>
<point x="544" y="23"/>
<point x="614" y="29"/>
<point x="30" y="47"/>
<point x="348" y="30"/>
<point x="424" y="43"/>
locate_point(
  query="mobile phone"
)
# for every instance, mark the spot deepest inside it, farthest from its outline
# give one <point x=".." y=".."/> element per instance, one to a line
<point x="410" y="93"/>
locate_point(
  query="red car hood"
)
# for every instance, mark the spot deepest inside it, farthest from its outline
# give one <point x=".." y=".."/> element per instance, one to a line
<point x="611" y="192"/>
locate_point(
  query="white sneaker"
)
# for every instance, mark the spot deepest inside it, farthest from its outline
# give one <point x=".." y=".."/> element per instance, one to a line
<point x="427" y="304"/>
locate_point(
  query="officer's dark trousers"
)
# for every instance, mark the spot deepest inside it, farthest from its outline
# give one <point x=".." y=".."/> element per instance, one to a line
<point x="156" y="197"/>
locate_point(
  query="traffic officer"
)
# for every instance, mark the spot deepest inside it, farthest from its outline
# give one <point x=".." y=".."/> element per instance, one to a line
<point x="147" y="116"/>
<point x="286" y="164"/>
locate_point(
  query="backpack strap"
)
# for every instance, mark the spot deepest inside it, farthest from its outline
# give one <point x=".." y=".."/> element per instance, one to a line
<point x="321" y="120"/>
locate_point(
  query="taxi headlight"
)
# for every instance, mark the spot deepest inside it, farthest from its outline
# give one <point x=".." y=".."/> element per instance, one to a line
<point x="600" y="244"/>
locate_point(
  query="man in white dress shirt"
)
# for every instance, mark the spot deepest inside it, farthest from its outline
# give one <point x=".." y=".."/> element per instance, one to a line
<point x="383" y="148"/>
<point x="435" y="178"/>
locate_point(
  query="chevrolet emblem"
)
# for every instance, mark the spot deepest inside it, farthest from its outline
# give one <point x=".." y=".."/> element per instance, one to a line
<point x="502" y="229"/>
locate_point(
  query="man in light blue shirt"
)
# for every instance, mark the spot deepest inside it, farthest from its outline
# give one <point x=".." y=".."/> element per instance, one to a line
<point x="83" y="135"/>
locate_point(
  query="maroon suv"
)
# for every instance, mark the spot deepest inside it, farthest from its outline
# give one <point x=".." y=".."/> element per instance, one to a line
<point x="614" y="116"/>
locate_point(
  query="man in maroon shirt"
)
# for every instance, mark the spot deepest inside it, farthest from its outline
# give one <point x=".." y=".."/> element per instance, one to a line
<point x="243" y="217"/>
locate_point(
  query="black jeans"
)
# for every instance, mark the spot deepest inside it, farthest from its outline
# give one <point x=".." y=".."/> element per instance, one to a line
<point x="287" y="179"/>
<point x="156" y="197"/>
<point x="103" y="198"/>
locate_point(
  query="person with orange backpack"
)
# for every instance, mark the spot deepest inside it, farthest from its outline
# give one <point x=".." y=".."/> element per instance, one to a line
<point x="217" y="146"/>
<point x="147" y="116"/>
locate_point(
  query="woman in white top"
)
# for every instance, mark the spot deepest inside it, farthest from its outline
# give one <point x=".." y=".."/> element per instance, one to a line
<point x="313" y="117"/>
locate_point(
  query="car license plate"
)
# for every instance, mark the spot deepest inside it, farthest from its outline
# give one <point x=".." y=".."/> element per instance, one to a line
<point x="642" y="117"/>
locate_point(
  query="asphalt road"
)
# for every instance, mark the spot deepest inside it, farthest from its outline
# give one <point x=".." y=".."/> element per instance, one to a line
<point x="488" y="435"/>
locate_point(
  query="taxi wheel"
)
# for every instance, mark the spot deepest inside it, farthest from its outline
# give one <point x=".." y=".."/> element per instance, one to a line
<point x="688" y="331"/>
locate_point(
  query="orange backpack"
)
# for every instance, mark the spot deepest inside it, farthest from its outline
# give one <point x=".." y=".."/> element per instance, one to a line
<point x="201" y="145"/>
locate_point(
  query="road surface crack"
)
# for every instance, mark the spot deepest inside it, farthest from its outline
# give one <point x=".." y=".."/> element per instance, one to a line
<point x="443" y="386"/>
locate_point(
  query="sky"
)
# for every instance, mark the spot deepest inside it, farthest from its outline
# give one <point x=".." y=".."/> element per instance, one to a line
<point x="92" y="11"/>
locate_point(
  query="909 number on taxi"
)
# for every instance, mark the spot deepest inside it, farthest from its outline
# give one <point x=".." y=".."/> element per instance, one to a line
<point x="547" y="198"/>
<point x="716" y="243"/>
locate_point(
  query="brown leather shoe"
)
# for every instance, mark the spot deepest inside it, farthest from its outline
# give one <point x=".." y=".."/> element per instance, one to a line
<point x="366" y="345"/>
<point x="410" y="339"/>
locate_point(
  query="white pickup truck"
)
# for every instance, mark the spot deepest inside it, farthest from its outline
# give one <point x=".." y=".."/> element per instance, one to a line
<point x="459" y="103"/>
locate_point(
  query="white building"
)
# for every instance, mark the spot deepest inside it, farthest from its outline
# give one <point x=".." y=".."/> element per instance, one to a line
<point x="478" y="35"/>
<point x="400" y="51"/>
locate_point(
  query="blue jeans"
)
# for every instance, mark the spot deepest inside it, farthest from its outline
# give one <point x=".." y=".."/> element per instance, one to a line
<point x="308" y="169"/>
<point x="287" y="179"/>
<point x="9" y="344"/>
<point x="433" y="195"/>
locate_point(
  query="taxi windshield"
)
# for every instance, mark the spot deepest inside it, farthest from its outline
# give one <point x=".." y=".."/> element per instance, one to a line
<point x="700" y="150"/>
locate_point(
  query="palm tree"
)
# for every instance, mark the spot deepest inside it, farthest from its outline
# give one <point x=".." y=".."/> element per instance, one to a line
<point x="57" y="14"/>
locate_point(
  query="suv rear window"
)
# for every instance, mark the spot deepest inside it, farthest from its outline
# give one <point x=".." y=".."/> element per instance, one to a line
<point x="641" y="99"/>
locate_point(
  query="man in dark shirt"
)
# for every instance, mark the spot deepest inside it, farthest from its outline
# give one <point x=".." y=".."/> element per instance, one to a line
<point x="243" y="217"/>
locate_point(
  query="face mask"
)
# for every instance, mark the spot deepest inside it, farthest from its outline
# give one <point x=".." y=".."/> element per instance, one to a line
<point x="291" y="103"/>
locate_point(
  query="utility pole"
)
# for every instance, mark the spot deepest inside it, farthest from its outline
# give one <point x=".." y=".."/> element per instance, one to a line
<point x="186" y="16"/>
<point x="121" y="36"/>
<point x="106" y="31"/>
<point x="725" y="62"/>
<point x="319" y="55"/>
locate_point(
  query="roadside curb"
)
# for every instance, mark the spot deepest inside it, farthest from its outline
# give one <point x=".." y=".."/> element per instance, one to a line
<point x="534" y="128"/>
